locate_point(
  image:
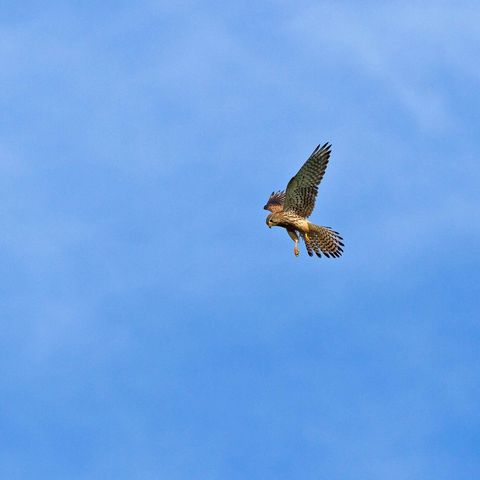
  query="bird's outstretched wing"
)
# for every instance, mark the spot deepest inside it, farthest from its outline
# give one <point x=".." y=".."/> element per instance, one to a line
<point x="275" y="202"/>
<point x="302" y="189"/>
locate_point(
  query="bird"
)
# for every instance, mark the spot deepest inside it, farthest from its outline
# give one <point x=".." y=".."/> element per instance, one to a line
<point x="291" y="208"/>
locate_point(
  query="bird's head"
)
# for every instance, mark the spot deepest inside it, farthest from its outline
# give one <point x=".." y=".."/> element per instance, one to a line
<point x="272" y="220"/>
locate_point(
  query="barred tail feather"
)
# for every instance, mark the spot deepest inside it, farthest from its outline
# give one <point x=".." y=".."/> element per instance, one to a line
<point x="308" y="246"/>
<point x="324" y="240"/>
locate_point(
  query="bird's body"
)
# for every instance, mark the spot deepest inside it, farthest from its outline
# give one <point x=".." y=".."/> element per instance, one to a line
<point x="287" y="220"/>
<point x="290" y="209"/>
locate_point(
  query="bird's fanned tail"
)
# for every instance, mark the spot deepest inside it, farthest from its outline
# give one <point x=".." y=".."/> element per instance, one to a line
<point x="323" y="240"/>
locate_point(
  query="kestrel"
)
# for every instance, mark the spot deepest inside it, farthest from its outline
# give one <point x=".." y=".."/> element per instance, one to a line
<point x="291" y="208"/>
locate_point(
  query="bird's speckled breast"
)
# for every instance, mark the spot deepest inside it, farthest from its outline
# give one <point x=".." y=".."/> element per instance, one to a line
<point x="292" y="219"/>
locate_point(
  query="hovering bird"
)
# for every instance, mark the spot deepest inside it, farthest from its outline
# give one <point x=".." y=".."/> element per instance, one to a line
<point x="291" y="208"/>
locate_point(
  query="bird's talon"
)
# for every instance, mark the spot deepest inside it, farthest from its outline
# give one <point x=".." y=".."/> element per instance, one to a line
<point x="296" y="251"/>
<point x="307" y="238"/>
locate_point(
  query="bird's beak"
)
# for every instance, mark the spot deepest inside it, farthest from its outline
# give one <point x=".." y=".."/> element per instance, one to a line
<point x="269" y="226"/>
<point x="265" y="207"/>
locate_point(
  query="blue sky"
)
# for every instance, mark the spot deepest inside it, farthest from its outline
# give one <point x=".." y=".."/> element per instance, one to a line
<point x="152" y="326"/>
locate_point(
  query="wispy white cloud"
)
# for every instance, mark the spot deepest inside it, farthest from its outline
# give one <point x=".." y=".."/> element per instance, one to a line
<point x="403" y="47"/>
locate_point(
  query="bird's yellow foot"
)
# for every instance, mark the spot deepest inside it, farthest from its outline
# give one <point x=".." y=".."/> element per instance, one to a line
<point x="307" y="238"/>
<point x="296" y="251"/>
